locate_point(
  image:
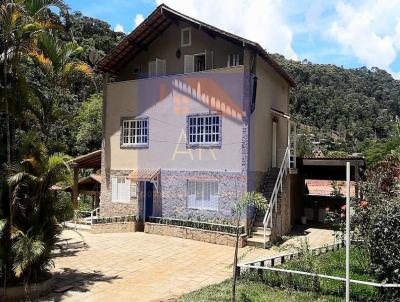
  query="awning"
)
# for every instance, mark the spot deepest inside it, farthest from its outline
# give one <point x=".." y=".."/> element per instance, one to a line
<point x="143" y="174"/>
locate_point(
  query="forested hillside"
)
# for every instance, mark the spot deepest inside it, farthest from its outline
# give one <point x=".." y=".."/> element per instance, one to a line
<point x="359" y="104"/>
<point x="345" y="107"/>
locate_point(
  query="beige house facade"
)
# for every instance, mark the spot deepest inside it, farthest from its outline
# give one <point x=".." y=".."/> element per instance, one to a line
<point x="193" y="117"/>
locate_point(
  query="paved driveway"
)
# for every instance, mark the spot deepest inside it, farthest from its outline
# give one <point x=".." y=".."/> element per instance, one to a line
<point x="143" y="267"/>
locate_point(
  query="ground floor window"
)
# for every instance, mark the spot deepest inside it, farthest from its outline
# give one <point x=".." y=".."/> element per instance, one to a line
<point x="121" y="189"/>
<point x="202" y="195"/>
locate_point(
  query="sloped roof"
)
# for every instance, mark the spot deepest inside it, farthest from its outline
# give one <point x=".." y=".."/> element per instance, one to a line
<point x="320" y="187"/>
<point x="143" y="174"/>
<point x="90" y="160"/>
<point x="155" y="24"/>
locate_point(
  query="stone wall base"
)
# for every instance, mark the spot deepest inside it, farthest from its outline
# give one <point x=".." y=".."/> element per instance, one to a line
<point x="194" y="234"/>
<point x="122" y="227"/>
<point x="35" y="290"/>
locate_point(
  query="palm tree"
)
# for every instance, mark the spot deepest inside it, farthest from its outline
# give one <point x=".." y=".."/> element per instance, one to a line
<point x="20" y="23"/>
<point x="57" y="60"/>
<point x="34" y="228"/>
<point x="258" y="201"/>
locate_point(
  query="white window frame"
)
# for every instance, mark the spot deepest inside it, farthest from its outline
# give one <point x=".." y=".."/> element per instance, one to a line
<point x="160" y="68"/>
<point x="202" y="195"/>
<point x="183" y="30"/>
<point x="204" y="130"/>
<point x="233" y="60"/>
<point x="120" y="189"/>
<point x="135" y="132"/>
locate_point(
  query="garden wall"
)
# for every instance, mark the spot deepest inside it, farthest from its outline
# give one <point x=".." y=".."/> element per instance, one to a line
<point x="119" y="227"/>
<point x="194" y="234"/>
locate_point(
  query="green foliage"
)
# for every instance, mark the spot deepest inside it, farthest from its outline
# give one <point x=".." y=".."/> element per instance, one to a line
<point x="254" y="290"/>
<point x="331" y="263"/>
<point x="376" y="221"/>
<point x="376" y="151"/>
<point x="358" y="104"/>
<point x="63" y="208"/>
<point x="88" y="125"/>
<point x="304" y="146"/>
<point x="385" y="250"/>
<point x="34" y="227"/>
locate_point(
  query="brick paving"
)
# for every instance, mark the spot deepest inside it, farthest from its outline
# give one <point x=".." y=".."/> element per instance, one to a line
<point x="145" y="267"/>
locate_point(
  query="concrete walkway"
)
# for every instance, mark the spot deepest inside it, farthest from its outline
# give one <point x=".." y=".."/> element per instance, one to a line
<point x="143" y="267"/>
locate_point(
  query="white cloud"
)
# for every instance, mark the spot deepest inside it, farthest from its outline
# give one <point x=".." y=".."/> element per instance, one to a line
<point x="138" y="19"/>
<point x="262" y="21"/>
<point x="119" y="28"/>
<point x="368" y="30"/>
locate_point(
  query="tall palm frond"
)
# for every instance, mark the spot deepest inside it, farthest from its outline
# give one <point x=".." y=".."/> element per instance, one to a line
<point x="26" y="251"/>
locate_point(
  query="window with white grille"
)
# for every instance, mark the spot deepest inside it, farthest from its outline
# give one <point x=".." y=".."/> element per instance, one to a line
<point x="204" y="129"/>
<point x="233" y="60"/>
<point x="121" y="189"/>
<point x="202" y="195"/>
<point x="135" y="132"/>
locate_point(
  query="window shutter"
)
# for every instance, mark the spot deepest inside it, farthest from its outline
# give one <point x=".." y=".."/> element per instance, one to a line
<point x="152" y="69"/>
<point x="127" y="190"/>
<point x="161" y="67"/>
<point x="189" y="63"/>
<point x="209" y="59"/>
<point x="114" y="189"/>
<point x="191" y="201"/>
<point x="214" y="195"/>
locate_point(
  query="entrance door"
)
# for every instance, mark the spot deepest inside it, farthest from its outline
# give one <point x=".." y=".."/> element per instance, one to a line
<point x="149" y="200"/>
<point x="274" y="136"/>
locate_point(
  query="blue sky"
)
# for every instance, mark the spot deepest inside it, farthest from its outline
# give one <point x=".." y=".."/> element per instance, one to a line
<point x="348" y="33"/>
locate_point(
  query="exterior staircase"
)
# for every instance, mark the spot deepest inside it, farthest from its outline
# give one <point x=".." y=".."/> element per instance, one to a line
<point x="257" y="231"/>
<point x="267" y="226"/>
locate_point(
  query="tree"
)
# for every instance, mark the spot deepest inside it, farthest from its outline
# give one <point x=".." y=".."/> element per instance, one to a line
<point x="258" y="201"/>
<point x="88" y="125"/>
<point x="56" y="60"/>
<point x="33" y="223"/>
<point x="20" y="23"/>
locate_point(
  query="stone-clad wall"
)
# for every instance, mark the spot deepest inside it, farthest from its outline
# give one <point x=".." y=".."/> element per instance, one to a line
<point x="174" y="196"/>
<point x="194" y="234"/>
<point x="108" y="208"/>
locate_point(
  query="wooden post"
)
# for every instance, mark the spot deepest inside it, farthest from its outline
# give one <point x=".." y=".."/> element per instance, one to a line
<point x="75" y="187"/>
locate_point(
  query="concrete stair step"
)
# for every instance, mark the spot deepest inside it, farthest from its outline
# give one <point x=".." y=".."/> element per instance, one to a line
<point x="258" y="242"/>
<point x="257" y="230"/>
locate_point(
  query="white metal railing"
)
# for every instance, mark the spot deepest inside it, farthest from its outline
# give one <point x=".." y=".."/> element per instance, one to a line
<point x="274" y="196"/>
<point x="94" y="213"/>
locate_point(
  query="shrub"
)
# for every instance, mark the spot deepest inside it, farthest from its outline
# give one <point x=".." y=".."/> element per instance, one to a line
<point x="384" y="244"/>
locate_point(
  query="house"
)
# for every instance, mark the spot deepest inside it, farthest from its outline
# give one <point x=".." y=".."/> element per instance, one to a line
<point x="193" y="117"/>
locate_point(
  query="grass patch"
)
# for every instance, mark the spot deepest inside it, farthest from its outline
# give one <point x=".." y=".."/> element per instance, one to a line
<point x="274" y="286"/>
<point x="254" y="291"/>
<point x="333" y="264"/>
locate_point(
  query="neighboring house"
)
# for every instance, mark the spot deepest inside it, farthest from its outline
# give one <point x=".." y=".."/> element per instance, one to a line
<point x="193" y="117"/>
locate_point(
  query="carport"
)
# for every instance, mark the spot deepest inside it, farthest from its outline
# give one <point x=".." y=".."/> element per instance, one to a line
<point x="324" y="169"/>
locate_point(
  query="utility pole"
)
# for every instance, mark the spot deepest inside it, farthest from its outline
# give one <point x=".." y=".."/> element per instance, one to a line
<point x="347" y="231"/>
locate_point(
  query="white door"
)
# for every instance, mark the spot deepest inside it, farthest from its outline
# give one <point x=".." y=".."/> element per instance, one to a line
<point x="161" y="67"/>
<point x="189" y="64"/>
<point x="274" y="137"/>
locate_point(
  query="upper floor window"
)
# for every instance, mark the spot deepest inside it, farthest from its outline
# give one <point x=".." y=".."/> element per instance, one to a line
<point x="202" y="195"/>
<point x="233" y="60"/>
<point x="135" y="132"/>
<point x="204" y="130"/>
<point x="186" y="36"/>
